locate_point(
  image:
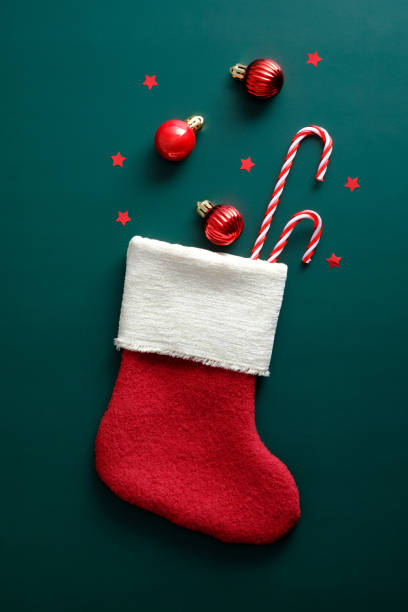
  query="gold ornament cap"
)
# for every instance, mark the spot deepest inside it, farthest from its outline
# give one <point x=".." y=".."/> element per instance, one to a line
<point x="204" y="207"/>
<point x="195" y="122"/>
<point x="238" y="71"/>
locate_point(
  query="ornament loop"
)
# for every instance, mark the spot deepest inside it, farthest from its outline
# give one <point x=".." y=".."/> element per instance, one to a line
<point x="204" y="207"/>
<point x="195" y="122"/>
<point x="238" y="71"/>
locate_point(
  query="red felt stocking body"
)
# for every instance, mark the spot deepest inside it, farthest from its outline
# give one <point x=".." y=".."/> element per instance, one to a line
<point x="179" y="439"/>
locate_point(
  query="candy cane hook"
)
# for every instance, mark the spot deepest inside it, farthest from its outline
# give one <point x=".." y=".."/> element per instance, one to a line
<point x="283" y="174"/>
<point x="288" y="229"/>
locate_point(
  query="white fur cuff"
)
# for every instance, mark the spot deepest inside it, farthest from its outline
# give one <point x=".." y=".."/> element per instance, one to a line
<point x="218" y="309"/>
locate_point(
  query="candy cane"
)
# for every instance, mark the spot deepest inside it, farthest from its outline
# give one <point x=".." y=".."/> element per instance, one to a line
<point x="288" y="229"/>
<point x="283" y="174"/>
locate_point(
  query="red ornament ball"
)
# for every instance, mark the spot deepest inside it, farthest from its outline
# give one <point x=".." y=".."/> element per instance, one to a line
<point x="175" y="139"/>
<point x="263" y="78"/>
<point x="223" y="223"/>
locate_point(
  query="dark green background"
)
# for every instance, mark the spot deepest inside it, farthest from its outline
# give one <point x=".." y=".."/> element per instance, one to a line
<point x="334" y="409"/>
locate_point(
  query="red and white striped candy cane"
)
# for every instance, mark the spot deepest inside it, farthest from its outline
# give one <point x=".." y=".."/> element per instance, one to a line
<point x="288" y="229"/>
<point x="283" y="174"/>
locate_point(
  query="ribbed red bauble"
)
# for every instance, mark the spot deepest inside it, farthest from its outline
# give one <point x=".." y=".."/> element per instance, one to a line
<point x="175" y="139"/>
<point x="223" y="223"/>
<point x="263" y="77"/>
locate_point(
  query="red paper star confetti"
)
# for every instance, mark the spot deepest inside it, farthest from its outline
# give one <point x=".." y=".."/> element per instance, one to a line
<point x="313" y="58"/>
<point x="118" y="160"/>
<point x="246" y="164"/>
<point x="334" y="261"/>
<point x="123" y="217"/>
<point x="352" y="183"/>
<point x="150" y="81"/>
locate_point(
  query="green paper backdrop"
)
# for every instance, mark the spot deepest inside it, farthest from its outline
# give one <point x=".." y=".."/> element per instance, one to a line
<point x="334" y="409"/>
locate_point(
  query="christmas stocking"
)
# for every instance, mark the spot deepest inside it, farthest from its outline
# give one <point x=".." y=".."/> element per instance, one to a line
<point x="179" y="436"/>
